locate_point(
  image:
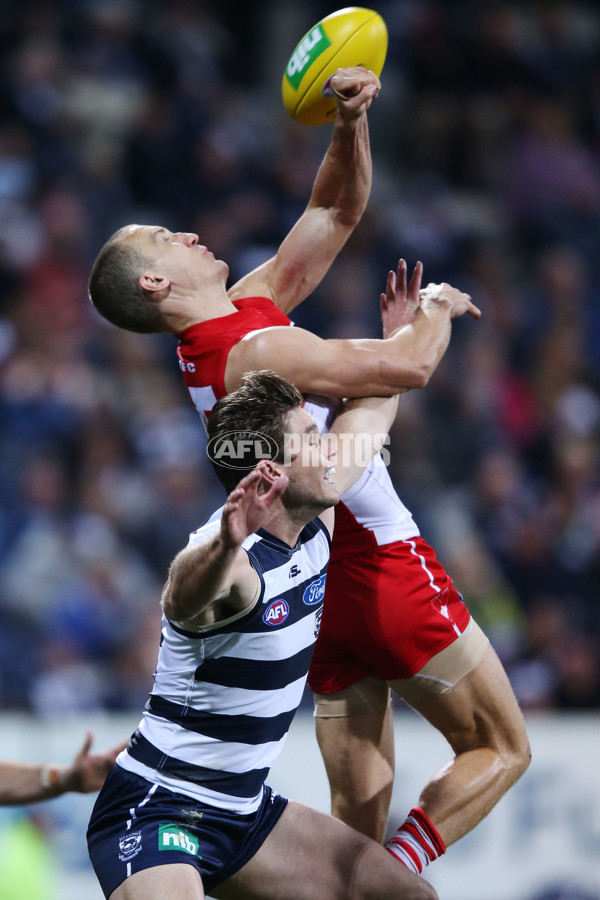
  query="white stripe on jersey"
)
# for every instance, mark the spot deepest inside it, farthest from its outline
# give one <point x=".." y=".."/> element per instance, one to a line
<point x="203" y="398"/>
<point x="180" y="657"/>
<point x="244" y="701"/>
<point x="210" y="752"/>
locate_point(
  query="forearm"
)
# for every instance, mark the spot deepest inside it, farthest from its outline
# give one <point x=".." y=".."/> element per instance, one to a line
<point x="425" y="340"/>
<point x="402" y="362"/>
<point x="359" y="431"/>
<point x="343" y="182"/>
<point x="22" y="783"/>
<point x="197" y="577"/>
<point x="346" y="368"/>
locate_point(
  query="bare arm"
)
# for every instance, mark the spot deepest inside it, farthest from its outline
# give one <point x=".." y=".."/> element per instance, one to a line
<point x="339" y="196"/>
<point x="359" y="431"/>
<point x="361" y="426"/>
<point x="22" y="783"/>
<point x="359" y="368"/>
<point x="218" y="570"/>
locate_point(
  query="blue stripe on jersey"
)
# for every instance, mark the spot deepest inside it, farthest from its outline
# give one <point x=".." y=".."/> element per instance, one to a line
<point x="244" y="784"/>
<point x="238" y="728"/>
<point x="253" y="674"/>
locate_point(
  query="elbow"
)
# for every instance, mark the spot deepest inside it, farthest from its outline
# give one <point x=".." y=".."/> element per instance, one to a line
<point x="421" y="376"/>
<point x="412" y="377"/>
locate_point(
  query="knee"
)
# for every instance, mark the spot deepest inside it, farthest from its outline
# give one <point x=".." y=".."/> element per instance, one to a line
<point x="426" y="891"/>
<point x="517" y="757"/>
<point x="513" y="755"/>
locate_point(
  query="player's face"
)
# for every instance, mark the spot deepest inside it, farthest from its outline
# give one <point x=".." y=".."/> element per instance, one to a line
<point x="177" y="255"/>
<point x="310" y="470"/>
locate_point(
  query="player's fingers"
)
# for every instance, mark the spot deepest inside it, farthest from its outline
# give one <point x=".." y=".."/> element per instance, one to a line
<point x="89" y="739"/>
<point x="414" y="287"/>
<point x="114" y="751"/>
<point x="401" y="277"/>
<point x="375" y="79"/>
<point x="345" y="87"/>
<point x="248" y="479"/>
<point x="390" y="285"/>
<point x="474" y="311"/>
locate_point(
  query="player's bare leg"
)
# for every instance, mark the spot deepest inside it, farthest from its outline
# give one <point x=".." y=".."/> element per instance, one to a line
<point x="358" y="752"/>
<point x="482" y="722"/>
<point x="161" y="883"/>
<point x="311" y="856"/>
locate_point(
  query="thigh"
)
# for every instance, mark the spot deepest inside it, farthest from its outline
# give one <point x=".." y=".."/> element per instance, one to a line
<point x="311" y="856"/>
<point x="480" y="711"/>
<point x="171" y="882"/>
<point x="445" y="669"/>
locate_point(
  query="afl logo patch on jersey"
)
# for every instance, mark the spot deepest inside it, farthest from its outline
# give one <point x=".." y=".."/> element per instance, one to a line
<point x="276" y="612"/>
<point x="315" y="592"/>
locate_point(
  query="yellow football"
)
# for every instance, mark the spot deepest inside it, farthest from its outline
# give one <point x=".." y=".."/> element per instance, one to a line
<point x="349" y="37"/>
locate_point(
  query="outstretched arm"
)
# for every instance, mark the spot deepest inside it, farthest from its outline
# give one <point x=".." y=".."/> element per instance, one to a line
<point x="22" y="783"/>
<point x="360" y="368"/>
<point x="218" y="569"/>
<point x="361" y="427"/>
<point x="339" y="197"/>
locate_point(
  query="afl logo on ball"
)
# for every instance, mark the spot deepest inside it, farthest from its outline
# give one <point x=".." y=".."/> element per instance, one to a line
<point x="315" y="592"/>
<point x="276" y="613"/>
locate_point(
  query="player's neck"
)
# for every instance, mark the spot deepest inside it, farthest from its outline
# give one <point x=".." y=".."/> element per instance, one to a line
<point x="183" y="311"/>
<point x="287" y="524"/>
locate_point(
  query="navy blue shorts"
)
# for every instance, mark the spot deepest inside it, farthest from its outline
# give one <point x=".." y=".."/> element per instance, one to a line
<point x="130" y="831"/>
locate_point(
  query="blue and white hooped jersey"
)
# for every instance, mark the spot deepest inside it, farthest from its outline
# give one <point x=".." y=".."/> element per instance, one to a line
<point x="225" y="695"/>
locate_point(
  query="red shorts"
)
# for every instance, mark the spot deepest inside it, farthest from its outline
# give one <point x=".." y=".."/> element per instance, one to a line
<point x="387" y="612"/>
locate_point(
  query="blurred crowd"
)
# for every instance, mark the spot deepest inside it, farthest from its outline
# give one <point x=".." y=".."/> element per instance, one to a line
<point x="486" y="147"/>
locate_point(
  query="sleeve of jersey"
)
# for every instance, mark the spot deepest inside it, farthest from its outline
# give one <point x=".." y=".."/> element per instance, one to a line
<point x="210" y="527"/>
<point x="203" y="348"/>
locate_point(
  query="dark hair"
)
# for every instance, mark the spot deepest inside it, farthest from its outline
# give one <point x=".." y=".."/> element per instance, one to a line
<point x="115" y="290"/>
<point x="260" y="406"/>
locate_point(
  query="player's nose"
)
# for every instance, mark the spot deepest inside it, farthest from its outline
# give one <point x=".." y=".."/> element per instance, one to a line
<point x="187" y="238"/>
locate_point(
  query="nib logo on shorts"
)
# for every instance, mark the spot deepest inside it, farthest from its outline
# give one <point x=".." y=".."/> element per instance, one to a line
<point x="173" y="837"/>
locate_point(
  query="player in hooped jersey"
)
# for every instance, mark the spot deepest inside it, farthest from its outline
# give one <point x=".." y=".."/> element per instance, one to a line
<point x="186" y="811"/>
<point x="403" y="623"/>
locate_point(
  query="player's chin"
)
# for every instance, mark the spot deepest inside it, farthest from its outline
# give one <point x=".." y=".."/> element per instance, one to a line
<point x="332" y="495"/>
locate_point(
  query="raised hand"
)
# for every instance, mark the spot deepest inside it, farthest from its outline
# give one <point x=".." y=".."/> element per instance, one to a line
<point x="247" y="510"/>
<point x="354" y="90"/>
<point x="400" y="303"/>
<point x="88" y="771"/>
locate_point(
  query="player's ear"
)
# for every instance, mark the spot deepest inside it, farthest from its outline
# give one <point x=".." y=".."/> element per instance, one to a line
<point x="270" y="470"/>
<point x="154" y="283"/>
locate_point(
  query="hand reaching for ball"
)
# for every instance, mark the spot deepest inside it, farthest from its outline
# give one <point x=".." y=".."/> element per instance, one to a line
<point x="354" y="90"/>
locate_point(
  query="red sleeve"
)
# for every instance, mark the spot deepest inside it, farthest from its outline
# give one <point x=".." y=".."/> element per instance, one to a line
<point x="204" y="347"/>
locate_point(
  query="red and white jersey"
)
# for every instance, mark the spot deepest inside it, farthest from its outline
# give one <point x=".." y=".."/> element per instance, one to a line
<point x="371" y="513"/>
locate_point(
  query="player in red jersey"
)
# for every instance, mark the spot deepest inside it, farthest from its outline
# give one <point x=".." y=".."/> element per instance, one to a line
<point x="393" y="616"/>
